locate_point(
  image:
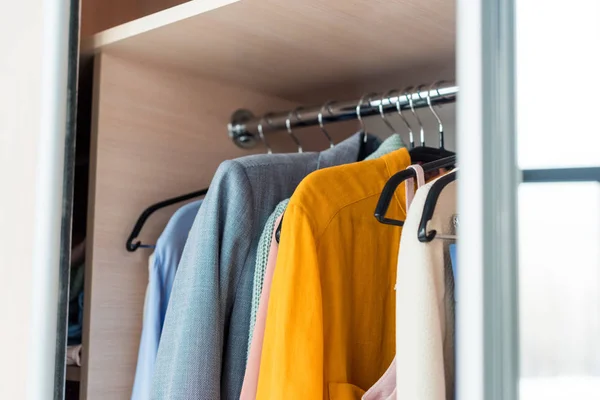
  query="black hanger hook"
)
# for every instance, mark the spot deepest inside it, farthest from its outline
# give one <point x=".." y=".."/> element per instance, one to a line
<point x="132" y="246"/>
<point x="139" y="224"/>
<point x="387" y="194"/>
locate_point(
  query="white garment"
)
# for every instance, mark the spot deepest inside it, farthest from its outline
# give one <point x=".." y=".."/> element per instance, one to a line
<point x="385" y="387"/>
<point x="73" y="355"/>
<point x="425" y="304"/>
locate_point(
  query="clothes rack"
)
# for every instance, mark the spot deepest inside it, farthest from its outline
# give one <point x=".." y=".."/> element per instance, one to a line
<point x="244" y="125"/>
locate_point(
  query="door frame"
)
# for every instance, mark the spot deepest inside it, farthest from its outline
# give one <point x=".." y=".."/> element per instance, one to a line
<point x="487" y="284"/>
<point x="38" y="70"/>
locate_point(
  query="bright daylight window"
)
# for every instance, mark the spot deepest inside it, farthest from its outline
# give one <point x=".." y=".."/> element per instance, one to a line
<point x="559" y="223"/>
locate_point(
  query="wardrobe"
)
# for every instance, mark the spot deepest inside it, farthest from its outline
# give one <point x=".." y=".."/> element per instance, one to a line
<point x="160" y="81"/>
<point x="160" y="86"/>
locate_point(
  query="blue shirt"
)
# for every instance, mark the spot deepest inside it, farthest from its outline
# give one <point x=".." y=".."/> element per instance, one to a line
<point x="162" y="269"/>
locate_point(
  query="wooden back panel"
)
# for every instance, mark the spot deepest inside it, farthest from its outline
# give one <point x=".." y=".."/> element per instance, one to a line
<point x="155" y="134"/>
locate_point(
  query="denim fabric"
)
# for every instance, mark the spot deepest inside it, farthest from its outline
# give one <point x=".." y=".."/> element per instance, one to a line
<point x="75" y="327"/>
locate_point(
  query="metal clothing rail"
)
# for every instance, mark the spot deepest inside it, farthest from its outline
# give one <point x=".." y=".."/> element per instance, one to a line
<point x="245" y="128"/>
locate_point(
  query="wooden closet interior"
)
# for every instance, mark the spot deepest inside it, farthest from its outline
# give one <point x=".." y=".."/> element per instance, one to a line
<point x="159" y="80"/>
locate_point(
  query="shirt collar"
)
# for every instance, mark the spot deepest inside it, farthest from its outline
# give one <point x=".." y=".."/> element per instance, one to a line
<point x="390" y="144"/>
<point x="347" y="150"/>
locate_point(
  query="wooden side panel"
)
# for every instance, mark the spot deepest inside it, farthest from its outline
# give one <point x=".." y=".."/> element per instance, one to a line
<point x="155" y="134"/>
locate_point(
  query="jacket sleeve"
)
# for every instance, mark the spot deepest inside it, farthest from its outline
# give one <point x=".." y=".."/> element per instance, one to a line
<point x="292" y="358"/>
<point x="190" y="356"/>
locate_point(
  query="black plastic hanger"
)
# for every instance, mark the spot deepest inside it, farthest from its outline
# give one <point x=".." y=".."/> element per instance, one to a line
<point x="392" y="184"/>
<point x="129" y="245"/>
<point x="429" y="208"/>
<point x="426" y="154"/>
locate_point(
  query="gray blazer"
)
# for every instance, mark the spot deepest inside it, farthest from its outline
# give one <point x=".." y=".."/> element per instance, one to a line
<point x="203" y="347"/>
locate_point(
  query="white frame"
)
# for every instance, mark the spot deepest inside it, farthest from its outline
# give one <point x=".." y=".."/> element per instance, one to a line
<point x="36" y="112"/>
<point x="487" y="305"/>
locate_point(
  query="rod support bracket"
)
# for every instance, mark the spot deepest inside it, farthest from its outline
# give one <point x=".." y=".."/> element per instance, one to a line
<point x="238" y="131"/>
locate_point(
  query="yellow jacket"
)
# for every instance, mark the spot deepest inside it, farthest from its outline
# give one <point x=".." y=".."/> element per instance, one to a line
<point x="330" y="331"/>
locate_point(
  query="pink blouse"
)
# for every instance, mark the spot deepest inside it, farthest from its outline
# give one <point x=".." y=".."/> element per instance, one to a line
<point x="385" y="387"/>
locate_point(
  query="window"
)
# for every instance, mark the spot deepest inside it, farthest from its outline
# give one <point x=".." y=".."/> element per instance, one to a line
<point x="559" y="220"/>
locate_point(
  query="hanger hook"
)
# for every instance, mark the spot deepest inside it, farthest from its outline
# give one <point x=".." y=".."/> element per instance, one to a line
<point x="383" y="117"/>
<point x="299" y="119"/>
<point x="288" y="126"/>
<point x="435" y="114"/>
<point x="262" y="135"/>
<point x="409" y="97"/>
<point x="358" y="113"/>
<point x="421" y="89"/>
<point x="411" y="136"/>
<point x="320" y="118"/>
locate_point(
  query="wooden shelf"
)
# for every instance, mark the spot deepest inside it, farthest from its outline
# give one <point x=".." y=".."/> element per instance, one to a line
<point x="289" y="48"/>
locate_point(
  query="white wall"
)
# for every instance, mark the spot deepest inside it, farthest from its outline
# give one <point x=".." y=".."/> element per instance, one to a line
<point x="558" y="65"/>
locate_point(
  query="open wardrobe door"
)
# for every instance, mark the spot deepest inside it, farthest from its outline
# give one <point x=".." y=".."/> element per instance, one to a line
<point x="38" y="75"/>
<point x="487" y="307"/>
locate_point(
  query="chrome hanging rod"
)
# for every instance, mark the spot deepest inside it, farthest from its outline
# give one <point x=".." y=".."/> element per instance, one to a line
<point x="243" y="128"/>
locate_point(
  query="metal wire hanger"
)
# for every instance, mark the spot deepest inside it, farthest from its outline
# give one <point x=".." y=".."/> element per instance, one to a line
<point x="367" y="96"/>
<point x="262" y="135"/>
<point x="320" y="119"/>
<point x="423" y="153"/>
<point x="411" y="136"/>
<point x="435" y="114"/>
<point x="382" y="112"/>
<point x="409" y="97"/>
<point x="288" y="125"/>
